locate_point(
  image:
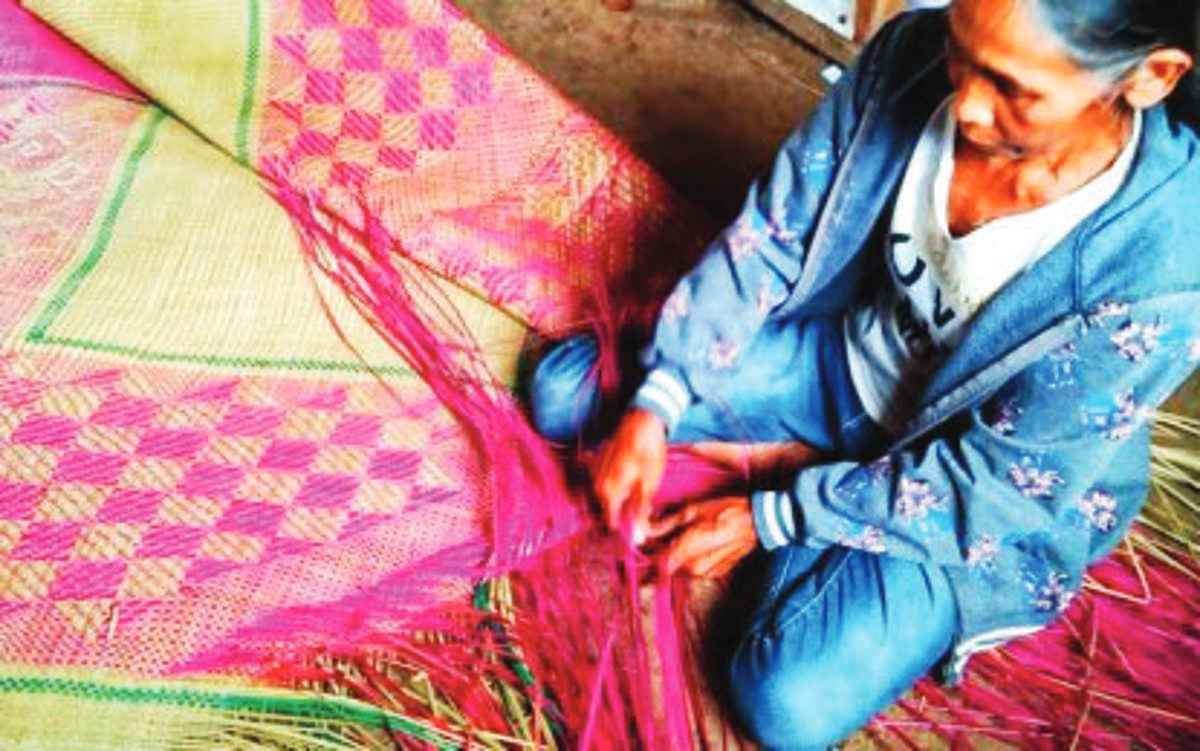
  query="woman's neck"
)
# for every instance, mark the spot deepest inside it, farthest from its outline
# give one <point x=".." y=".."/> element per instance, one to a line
<point x="990" y="185"/>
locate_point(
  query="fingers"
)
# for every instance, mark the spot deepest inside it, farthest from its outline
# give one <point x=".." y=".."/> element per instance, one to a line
<point x="640" y="506"/>
<point x="666" y="524"/>
<point x="630" y="471"/>
<point x="623" y="500"/>
<point x="611" y="483"/>
<point x="710" y="537"/>
<point x="693" y="547"/>
<point x="649" y="479"/>
<point x="710" y="558"/>
<point x="717" y="566"/>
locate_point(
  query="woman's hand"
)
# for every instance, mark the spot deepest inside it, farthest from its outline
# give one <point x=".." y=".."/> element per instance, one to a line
<point x="706" y="538"/>
<point x="629" y="472"/>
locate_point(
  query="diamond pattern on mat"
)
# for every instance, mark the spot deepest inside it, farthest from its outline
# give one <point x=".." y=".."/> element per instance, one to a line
<point x="123" y="412"/>
<point x="10" y="533"/>
<point x="47" y="541"/>
<point x="383" y="86"/>
<point x="110" y="494"/>
<point x="176" y="540"/>
<point x="289" y="455"/>
<point x="86" y="466"/>
<point x="87" y="580"/>
<point x="46" y="430"/>
<point x="19" y="501"/>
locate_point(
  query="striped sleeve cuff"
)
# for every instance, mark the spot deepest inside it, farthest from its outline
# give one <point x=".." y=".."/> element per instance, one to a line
<point x="665" y="396"/>
<point x="774" y="519"/>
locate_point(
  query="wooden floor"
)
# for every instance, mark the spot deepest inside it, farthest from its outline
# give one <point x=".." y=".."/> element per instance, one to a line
<point x="702" y="89"/>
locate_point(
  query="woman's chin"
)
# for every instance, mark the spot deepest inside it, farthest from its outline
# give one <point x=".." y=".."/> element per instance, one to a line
<point x="989" y="146"/>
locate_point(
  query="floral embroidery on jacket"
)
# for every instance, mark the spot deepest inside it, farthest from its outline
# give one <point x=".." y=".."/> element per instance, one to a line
<point x="1062" y="366"/>
<point x="769" y="297"/>
<point x="723" y="355"/>
<point x="744" y="240"/>
<point x="870" y="539"/>
<point x="867" y="477"/>
<point x="1050" y="594"/>
<point x="782" y="233"/>
<point x="677" y="305"/>
<point x="1002" y="416"/>
<point x="1120" y="423"/>
<point x="1033" y="482"/>
<point x="880" y="470"/>
<point x="916" y="500"/>
<point x="983" y="553"/>
<point x="1134" y="341"/>
<point x="1108" y="310"/>
<point x="1099" y="509"/>
<point x="812" y="160"/>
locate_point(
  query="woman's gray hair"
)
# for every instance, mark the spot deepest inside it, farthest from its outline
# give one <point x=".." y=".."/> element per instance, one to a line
<point x="1112" y="37"/>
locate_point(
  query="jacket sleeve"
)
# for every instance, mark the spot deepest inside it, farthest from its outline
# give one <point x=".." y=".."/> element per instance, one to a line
<point x="1059" y="454"/>
<point x="749" y="271"/>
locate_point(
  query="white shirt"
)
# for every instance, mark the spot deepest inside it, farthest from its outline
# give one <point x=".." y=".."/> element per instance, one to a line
<point x="936" y="283"/>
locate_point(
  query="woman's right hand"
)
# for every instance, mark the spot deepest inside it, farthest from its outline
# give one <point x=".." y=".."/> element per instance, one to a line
<point x="629" y="472"/>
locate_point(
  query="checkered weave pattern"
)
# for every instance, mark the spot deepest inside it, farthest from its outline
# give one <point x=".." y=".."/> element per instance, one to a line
<point x="382" y="87"/>
<point x="112" y="497"/>
<point x="104" y="494"/>
<point x="408" y="104"/>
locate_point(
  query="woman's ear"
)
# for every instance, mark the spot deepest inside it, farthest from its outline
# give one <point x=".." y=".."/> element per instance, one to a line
<point x="1156" y="77"/>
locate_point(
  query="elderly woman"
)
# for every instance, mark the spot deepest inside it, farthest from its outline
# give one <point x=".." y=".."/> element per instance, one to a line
<point x="967" y="281"/>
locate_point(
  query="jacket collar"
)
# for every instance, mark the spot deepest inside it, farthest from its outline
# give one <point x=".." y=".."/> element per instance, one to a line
<point x="1053" y="289"/>
<point x="1165" y="149"/>
<point x="876" y="158"/>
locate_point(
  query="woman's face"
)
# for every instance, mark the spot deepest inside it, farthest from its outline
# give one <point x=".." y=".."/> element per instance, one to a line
<point x="1017" y="93"/>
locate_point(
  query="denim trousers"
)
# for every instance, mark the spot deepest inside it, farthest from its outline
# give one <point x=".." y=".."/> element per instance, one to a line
<point x="834" y="634"/>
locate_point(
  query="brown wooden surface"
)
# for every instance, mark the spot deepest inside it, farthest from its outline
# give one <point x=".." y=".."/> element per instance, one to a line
<point x="705" y="90"/>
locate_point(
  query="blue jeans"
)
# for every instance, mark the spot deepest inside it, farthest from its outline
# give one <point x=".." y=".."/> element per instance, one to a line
<point x="836" y="634"/>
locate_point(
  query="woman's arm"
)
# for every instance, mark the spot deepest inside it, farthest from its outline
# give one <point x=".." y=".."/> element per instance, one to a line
<point x="1049" y="454"/>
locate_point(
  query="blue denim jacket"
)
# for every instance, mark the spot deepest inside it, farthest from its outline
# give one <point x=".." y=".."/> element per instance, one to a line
<point x="1028" y="457"/>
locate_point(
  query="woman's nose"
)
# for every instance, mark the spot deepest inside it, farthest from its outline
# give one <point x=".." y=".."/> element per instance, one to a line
<point x="973" y="103"/>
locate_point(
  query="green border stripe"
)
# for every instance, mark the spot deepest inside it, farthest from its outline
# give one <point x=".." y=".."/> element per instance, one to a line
<point x="104" y="235"/>
<point x="218" y="361"/>
<point x="313" y="706"/>
<point x="241" y="138"/>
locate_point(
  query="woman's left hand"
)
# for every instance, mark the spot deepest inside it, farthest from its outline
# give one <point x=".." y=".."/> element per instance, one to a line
<point x="705" y="538"/>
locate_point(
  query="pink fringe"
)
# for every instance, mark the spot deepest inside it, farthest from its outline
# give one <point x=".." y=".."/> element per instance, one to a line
<point x="579" y="589"/>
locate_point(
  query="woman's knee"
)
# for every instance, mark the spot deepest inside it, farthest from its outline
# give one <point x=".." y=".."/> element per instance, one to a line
<point x="564" y="389"/>
<point x="821" y="668"/>
<point x="789" y="704"/>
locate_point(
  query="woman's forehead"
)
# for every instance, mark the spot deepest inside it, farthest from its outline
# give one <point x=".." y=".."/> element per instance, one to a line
<point x="1008" y="37"/>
